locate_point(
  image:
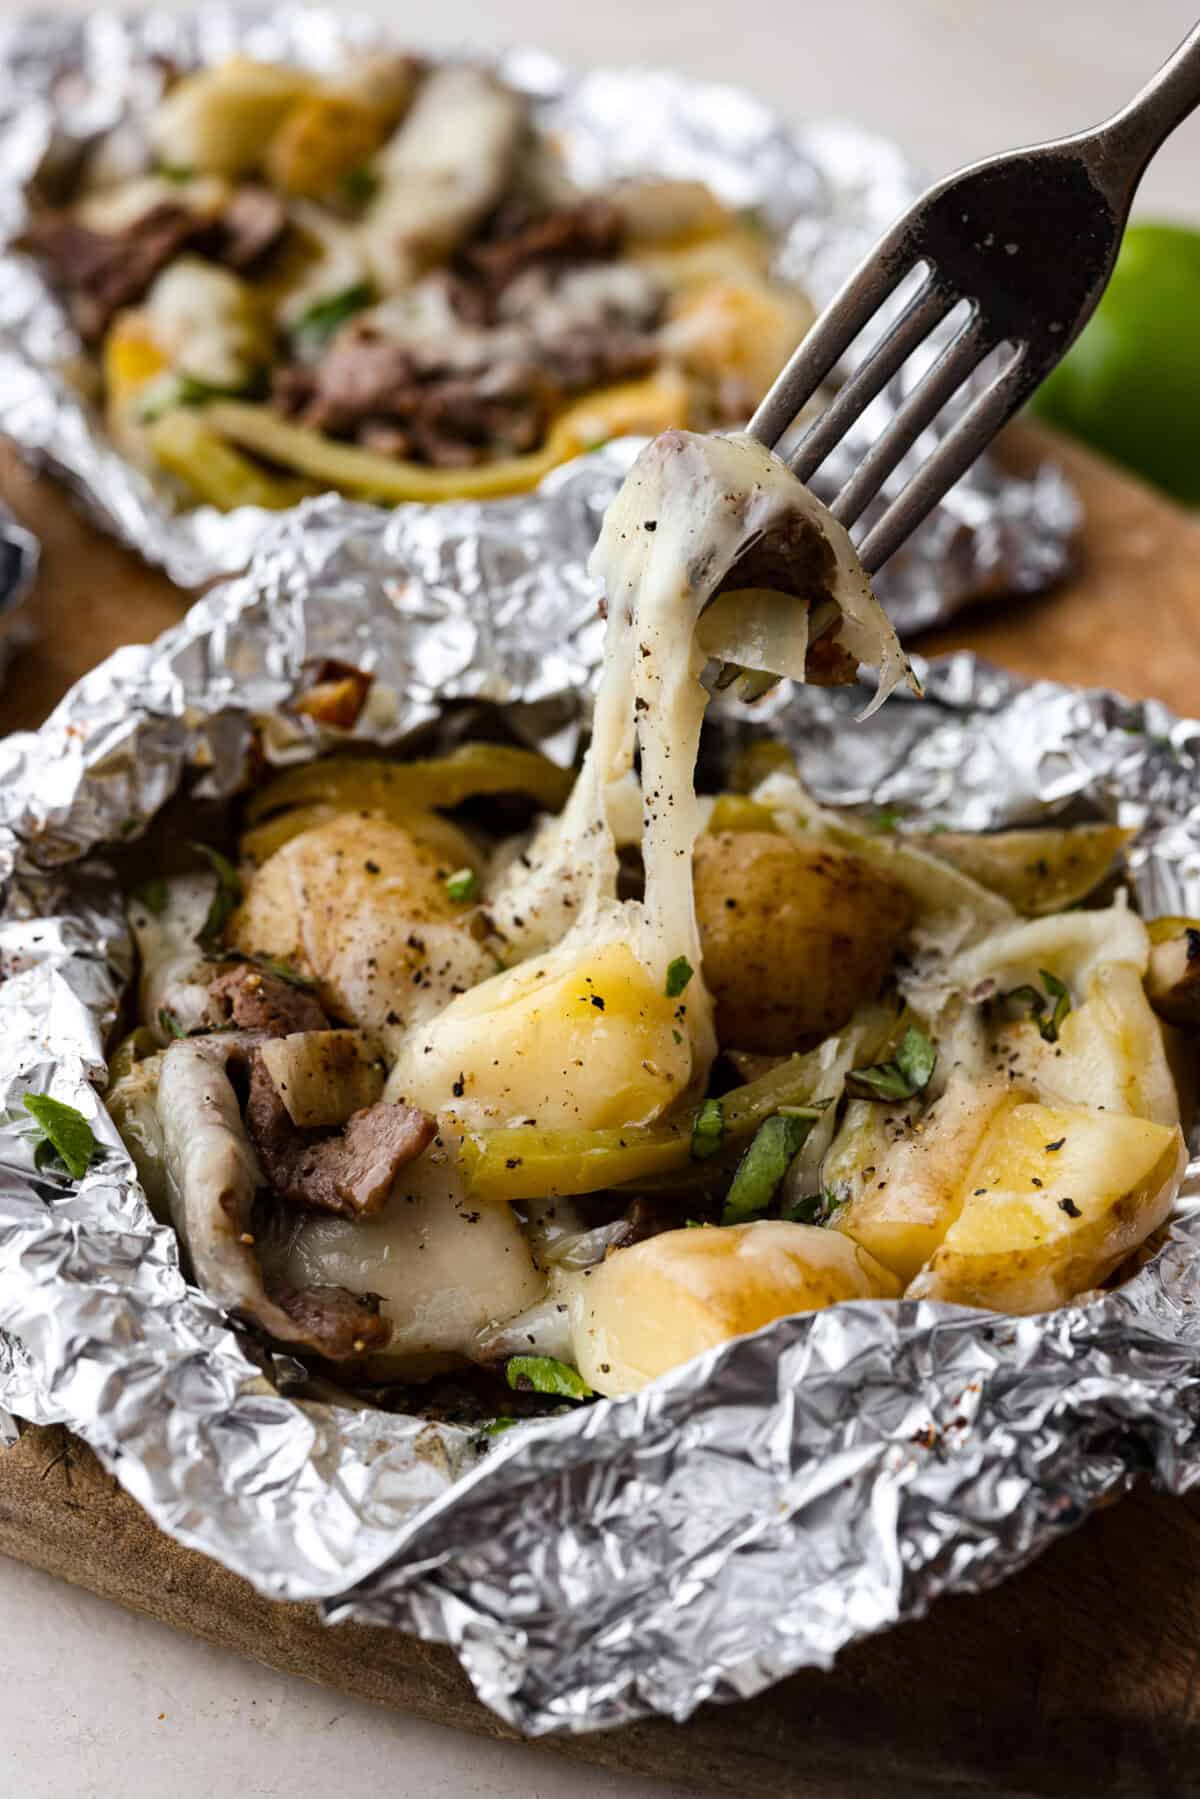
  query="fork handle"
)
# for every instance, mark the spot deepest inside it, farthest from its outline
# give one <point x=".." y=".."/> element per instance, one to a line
<point x="1118" y="150"/>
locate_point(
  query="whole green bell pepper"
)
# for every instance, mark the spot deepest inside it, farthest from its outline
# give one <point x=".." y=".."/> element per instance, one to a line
<point x="1130" y="385"/>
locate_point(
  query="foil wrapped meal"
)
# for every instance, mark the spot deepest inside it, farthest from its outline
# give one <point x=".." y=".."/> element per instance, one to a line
<point x="753" y="1511"/>
<point x="826" y="191"/>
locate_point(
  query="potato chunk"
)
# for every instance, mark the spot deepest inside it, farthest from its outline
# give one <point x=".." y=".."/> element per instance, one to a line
<point x="795" y="935"/>
<point x="651" y="1307"/>
<point x="362" y="907"/>
<point x="903" y="1210"/>
<point x="1055" y="1199"/>
<point x="565" y="1040"/>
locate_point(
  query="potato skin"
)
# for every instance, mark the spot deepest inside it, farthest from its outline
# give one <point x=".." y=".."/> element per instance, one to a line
<point x="655" y="1305"/>
<point x="1055" y="1199"/>
<point x="795" y="935"/>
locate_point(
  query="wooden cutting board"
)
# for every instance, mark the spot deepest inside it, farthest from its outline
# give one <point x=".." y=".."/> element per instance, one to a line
<point x="1079" y="1677"/>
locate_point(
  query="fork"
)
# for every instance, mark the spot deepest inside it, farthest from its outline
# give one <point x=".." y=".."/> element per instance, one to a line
<point x="1029" y="241"/>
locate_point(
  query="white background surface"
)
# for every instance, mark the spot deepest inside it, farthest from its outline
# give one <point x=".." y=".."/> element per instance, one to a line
<point x="95" y="1704"/>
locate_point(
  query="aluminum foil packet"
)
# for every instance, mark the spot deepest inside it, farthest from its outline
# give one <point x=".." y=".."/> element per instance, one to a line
<point x="827" y="191"/>
<point x="753" y="1511"/>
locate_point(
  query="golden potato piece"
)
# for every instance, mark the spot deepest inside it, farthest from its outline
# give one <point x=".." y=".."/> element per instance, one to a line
<point x="1054" y="1200"/>
<point x="657" y="1304"/>
<point x="902" y="1211"/>
<point x="364" y="909"/>
<point x="1110" y="1051"/>
<point x="579" y="1038"/>
<point x="219" y="120"/>
<point x="795" y="935"/>
<point x="321" y="141"/>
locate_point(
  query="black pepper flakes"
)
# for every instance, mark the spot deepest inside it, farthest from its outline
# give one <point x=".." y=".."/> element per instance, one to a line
<point x="1057" y="1144"/>
<point x="1070" y="1208"/>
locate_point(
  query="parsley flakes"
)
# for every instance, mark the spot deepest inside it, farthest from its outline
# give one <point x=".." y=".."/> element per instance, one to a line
<point x="679" y="973"/>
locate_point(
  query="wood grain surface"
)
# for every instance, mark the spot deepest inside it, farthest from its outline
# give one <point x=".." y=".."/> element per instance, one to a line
<point x="1079" y="1677"/>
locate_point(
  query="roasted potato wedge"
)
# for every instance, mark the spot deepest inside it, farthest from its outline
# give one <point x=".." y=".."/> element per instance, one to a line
<point x="220" y="120"/>
<point x="657" y="1304"/>
<point x="1055" y="1198"/>
<point x="795" y="935"/>
<point x="913" y="1185"/>
<point x="321" y="141"/>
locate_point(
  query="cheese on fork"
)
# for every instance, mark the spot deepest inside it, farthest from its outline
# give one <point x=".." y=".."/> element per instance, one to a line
<point x="605" y="1019"/>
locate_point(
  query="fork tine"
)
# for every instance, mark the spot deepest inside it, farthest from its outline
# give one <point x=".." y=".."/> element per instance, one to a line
<point x="928" y="306"/>
<point x="824" y="346"/>
<point x="962" y="355"/>
<point x="952" y="458"/>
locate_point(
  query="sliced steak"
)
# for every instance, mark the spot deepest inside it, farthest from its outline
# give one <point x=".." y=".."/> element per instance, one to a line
<point x="253" y="1000"/>
<point x="514" y="240"/>
<point x="349" y="1173"/>
<point x="102" y="271"/>
<point x="336" y="1323"/>
<point x="372" y="390"/>
<point x="251" y="226"/>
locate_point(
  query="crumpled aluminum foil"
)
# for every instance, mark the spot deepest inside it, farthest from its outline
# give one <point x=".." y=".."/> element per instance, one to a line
<point x="828" y="190"/>
<point x="755" y="1510"/>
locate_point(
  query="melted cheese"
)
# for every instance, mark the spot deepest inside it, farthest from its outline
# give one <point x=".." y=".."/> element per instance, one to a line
<point x="585" y="1032"/>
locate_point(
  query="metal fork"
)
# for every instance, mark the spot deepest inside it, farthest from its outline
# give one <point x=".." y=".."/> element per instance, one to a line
<point x="1029" y="239"/>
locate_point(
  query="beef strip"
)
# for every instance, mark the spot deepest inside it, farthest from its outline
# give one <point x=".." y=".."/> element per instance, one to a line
<point x="795" y="557"/>
<point x="250" y="227"/>
<point x="252" y="1000"/>
<point x="515" y="239"/>
<point x="102" y="271"/>
<point x="339" y="1324"/>
<point x="349" y="1174"/>
<point x="371" y="389"/>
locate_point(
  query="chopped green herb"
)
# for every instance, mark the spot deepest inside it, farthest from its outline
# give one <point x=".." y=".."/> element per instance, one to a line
<point x="1048" y="1018"/>
<point x="679" y="973"/>
<point x="178" y="172"/>
<point x="766" y="1162"/>
<point x="152" y="895"/>
<point x="360" y="185"/>
<point x="678" y="1035"/>
<point x="172" y="389"/>
<point x="815" y="1208"/>
<point x="708" y="1131"/>
<point x="597" y="443"/>
<point x="754" y="219"/>
<point x="909" y="1074"/>
<point x="887" y="818"/>
<point x="694" y="1224"/>
<point x="462" y="885"/>
<point x="497" y="1426"/>
<point x="66" y="1130"/>
<point x="543" y="1374"/>
<point x="324" y="317"/>
<point x="169" y="1025"/>
<point x="283" y="971"/>
<point x="225" y="901"/>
